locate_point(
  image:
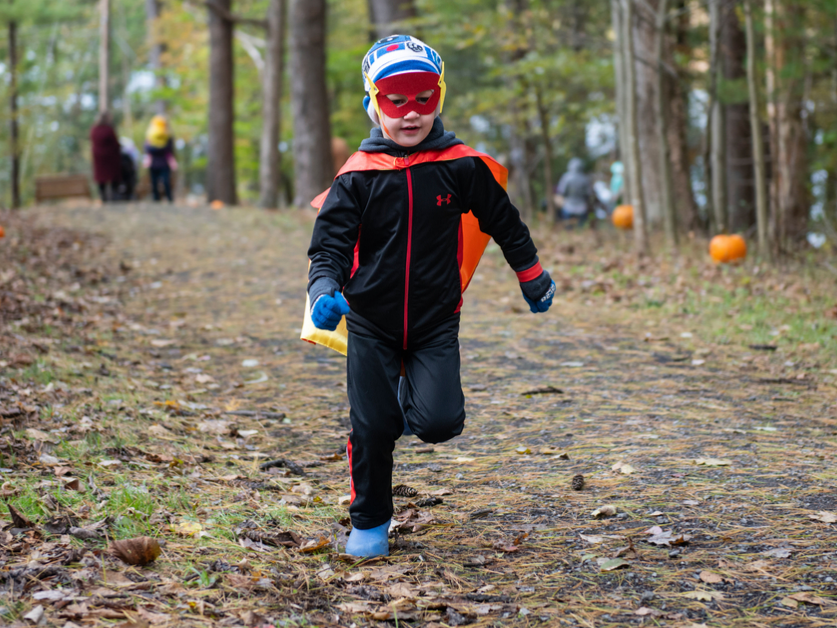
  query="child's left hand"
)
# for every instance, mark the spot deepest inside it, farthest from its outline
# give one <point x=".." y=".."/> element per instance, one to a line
<point x="544" y="302"/>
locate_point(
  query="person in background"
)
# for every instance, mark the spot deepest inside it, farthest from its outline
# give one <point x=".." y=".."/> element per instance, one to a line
<point x="574" y="194"/>
<point x="159" y="156"/>
<point x="106" y="156"/>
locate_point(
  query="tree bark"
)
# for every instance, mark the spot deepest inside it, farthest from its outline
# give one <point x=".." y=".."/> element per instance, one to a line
<point x="738" y="141"/>
<point x="155" y="50"/>
<point x="220" y="172"/>
<point x="385" y="14"/>
<point x="645" y="76"/>
<point x="678" y="127"/>
<point x="549" y="182"/>
<point x="312" y="129"/>
<point x="716" y="173"/>
<point x="520" y="185"/>
<point x="104" y="54"/>
<point x="271" y="105"/>
<point x="755" y="129"/>
<point x="640" y="235"/>
<point x="14" y="128"/>
<point x="619" y="81"/>
<point x="669" y="217"/>
<point x="791" y="162"/>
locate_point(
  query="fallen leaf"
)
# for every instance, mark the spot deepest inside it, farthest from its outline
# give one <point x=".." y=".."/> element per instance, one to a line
<point x="18" y="520"/>
<point x="789" y="602"/>
<point x="711" y="578"/>
<point x="704" y="596"/>
<point x="48" y="459"/>
<point x="604" y="511"/>
<point x="668" y="538"/>
<point x="824" y="516"/>
<point x="610" y="564"/>
<point x="49" y="596"/>
<point x="187" y="528"/>
<point x="592" y="538"/>
<point x="137" y="551"/>
<point x="315" y="545"/>
<point x="38" y="435"/>
<point x="644" y="611"/>
<point x="35" y="615"/>
<point x="159" y="431"/>
<point x="523" y="450"/>
<point x="110" y="463"/>
<point x="713" y="462"/>
<point x="808" y="598"/>
<point x="623" y="468"/>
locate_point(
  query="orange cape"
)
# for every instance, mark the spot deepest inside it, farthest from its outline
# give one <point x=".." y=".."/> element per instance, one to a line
<point x="474" y="241"/>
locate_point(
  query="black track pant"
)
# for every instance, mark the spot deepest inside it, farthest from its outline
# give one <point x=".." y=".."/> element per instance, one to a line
<point x="434" y="405"/>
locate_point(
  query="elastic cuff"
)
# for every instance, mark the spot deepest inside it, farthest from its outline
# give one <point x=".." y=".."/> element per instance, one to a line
<point x="530" y="273"/>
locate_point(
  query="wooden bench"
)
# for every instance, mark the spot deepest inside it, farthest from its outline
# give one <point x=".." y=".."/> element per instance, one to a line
<point x="61" y="186"/>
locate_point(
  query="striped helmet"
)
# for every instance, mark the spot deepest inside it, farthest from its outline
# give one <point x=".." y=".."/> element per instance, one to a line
<point x="396" y="60"/>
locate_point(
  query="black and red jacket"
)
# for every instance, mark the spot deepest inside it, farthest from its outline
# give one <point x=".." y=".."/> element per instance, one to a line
<point x="393" y="238"/>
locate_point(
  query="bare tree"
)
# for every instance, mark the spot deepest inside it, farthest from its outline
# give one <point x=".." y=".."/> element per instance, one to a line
<point x="619" y="75"/>
<point x="637" y="199"/>
<point x="220" y="172"/>
<point x="104" y="54"/>
<point x="309" y="100"/>
<point x="548" y="180"/>
<point x="520" y="187"/>
<point x="643" y="36"/>
<point x="758" y="141"/>
<point x="386" y="14"/>
<point x="14" y="128"/>
<point x="716" y="162"/>
<point x="667" y="201"/>
<point x="271" y="104"/>
<point x="738" y="143"/>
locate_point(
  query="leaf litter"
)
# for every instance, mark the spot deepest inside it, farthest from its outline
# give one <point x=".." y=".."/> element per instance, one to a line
<point x="89" y="385"/>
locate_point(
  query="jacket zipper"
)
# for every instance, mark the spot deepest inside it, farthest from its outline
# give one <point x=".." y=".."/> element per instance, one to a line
<point x="409" y="246"/>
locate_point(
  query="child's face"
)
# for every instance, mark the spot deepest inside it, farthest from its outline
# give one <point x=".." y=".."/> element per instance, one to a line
<point x="412" y="128"/>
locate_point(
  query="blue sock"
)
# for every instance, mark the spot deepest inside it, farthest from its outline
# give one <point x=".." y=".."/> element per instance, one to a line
<point x="369" y="543"/>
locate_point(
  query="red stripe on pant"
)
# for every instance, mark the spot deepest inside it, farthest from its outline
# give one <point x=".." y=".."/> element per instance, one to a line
<point x="351" y="479"/>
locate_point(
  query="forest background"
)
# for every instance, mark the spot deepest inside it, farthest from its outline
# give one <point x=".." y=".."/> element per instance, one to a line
<point x="533" y="82"/>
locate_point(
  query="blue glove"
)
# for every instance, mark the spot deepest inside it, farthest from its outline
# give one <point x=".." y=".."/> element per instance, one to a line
<point x="537" y="295"/>
<point x="328" y="310"/>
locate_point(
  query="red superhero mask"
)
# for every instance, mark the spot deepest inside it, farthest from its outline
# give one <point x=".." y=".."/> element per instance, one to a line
<point x="409" y="85"/>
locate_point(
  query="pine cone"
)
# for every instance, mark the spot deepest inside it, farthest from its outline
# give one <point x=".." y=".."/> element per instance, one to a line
<point x="578" y="482"/>
<point x="402" y="490"/>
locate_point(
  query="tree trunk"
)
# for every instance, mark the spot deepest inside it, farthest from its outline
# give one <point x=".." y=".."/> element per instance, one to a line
<point x="220" y="172"/>
<point x="645" y="77"/>
<point x="549" y="182"/>
<point x="678" y="127"/>
<point x="737" y="138"/>
<point x="14" y="129"/>
<point x="104" y="54"/>
<point x="716" y="172"/>
<point x="772" y="117"/>
<point x="271" y="104"/>
<point x="669" y="219"/>
<point x="520" y="185"/>
<point x="640" y="236"/>
<point x="155" y="49"/>
<point x="755" y="129"/>
<point x="619" y="81"/>
<point x="312" y="129"/>
<point x="791" y="162"/>
<point x="385" y="14"/>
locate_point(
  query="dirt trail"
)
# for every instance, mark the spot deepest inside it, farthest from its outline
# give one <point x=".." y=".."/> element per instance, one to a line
<point x="733" y="463"/>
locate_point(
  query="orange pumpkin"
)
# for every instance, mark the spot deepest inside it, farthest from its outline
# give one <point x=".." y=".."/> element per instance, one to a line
<point x="737" y="248"/>
<point x="719" y="249"/>
<point x="623" y="217"/>
<point x="216" y="204"/>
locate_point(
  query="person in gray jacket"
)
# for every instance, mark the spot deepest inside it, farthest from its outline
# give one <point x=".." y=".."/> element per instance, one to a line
<point x="574" y="194"/>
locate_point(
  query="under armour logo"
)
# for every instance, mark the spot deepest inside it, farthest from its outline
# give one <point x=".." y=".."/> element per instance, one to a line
<point x="440" y="200"/>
